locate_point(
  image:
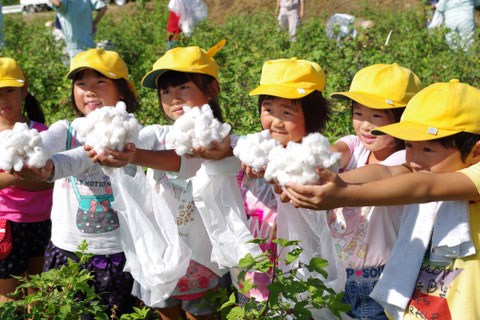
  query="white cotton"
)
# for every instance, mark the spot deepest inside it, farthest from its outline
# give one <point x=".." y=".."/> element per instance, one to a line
<point x="297" y="161"/>
<point x="20" y="146"/>
<point x="107" y="127"/>
<point x="253" y="149"/>
<point x="197" y="127"/>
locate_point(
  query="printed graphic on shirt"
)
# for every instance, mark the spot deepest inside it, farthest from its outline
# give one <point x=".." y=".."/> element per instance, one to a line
<point x="349" y="229"/>
<point x="185" y="212"/>
<point x="95" y="196"/>
<point x="429" y="300"/>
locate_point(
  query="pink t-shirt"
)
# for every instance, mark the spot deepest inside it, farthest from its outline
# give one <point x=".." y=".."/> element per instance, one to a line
<point x="20" y="205"/>
<point x="364" y="236"/>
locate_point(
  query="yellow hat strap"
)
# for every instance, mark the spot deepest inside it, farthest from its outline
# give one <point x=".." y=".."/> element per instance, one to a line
<point x="213" y="50"/>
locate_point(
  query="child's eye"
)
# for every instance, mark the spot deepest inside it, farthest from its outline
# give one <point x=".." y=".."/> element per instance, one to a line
<point x="287" y="113"/>
<point x="358" y="114"/>
<point x="378" y="116"/>
<point x="184" y="87"/>
<point x="427" y="149"/>
<point x="165" y="92"/>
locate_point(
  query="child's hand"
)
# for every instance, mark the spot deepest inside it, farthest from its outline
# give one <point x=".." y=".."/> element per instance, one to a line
<point x="112" y="158"/>
<point x="218" y="151"/>
<point x="36" y="175"/>
<point x="326" y="196"/>
<point x="251" y="173"/>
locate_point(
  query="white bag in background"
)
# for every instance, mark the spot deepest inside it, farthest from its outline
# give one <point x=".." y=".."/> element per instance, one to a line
<point x="156" y="255"/>
<point x="218" y="199"/>
<point x="191" y="12"/>
<point x="437" y="20"/>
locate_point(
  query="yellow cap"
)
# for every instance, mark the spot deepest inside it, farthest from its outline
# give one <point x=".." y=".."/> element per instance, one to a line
<point x="106" y="62"/>
<point x="184" y="59"/>
<point x="11" y="75"/>
<point x="382" y="86"/>
<point x="440" y="110"/>
<point x="290" y="78"/>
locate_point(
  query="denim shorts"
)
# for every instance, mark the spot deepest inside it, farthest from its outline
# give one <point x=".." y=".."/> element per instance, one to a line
<point x="359" y="285"/>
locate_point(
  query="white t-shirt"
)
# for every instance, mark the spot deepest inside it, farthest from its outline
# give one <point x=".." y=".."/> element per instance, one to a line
<point x="364" y="236"/>
<point x="81" y="203"/>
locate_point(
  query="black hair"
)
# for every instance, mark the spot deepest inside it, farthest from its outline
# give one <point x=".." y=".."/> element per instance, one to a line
<point x="122" y="86"/>
<point x="316" y="110"/>
<point x="462" y="141"/>
<point x="395" y="114"/>
<point x="206" y="83"/>
<point x="32" y="109"/>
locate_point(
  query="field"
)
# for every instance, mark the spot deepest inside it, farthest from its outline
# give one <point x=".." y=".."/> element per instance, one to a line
<point x="138" y="31"/>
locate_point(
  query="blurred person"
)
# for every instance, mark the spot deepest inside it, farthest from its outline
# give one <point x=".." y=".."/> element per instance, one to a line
<point x="77" y="23"/>
<point x="289" y="14"/>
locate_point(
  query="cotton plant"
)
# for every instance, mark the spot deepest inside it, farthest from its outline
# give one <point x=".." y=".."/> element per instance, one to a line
<point x="108" y="127"/>
<point x="20" y="146"/>
<point x="254" y="148"/>
<point x="297" y="161"/>
<point x="197" y="127"/>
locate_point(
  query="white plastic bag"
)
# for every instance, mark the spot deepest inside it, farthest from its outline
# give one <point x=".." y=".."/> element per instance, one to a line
<point x="191" y="12"/>
<point x="437" y="20"/>
<point x="156" y="255"/>
<point x="311" y="228"/>
<point x="218" y="199"/>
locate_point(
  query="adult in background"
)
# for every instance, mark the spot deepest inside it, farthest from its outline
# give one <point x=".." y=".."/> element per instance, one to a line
<point x="459" y="17"/>
<point x="290" y="13"/>
<point x="78" y="25"/>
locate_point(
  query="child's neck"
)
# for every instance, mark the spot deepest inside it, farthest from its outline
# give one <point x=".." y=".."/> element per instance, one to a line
<point x="6" y="124"/>
<point x="376" y="157"/>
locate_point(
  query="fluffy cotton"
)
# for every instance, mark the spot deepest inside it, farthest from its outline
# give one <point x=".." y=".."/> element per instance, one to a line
<point x="254" y="148"/>
<point x="297" y="161"/>
<point x="20" y="146"/>
<point x="110" y="127"/>
<point x="197" y="127"/>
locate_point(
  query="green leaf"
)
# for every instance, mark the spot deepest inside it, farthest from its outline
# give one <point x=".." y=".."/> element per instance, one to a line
<point x="236" y="313"/>
<point x="285" y="243"/>
<point x="293" y="255"/>
<point x="247" y="262"/>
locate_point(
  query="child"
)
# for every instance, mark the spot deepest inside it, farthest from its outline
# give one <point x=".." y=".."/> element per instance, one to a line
<point x="82" y="202"/>
<point x="78" y="27"/>
<point x="365" y="236"/>
<point x="183" y="76"/>
<point x="24" y="225"/>
<point x="442" y="137"/>
<point x="290" y="14"/>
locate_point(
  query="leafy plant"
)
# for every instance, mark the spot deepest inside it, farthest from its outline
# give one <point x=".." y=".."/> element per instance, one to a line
<point x="289" y="294"/>
<point x="63" y="293"/>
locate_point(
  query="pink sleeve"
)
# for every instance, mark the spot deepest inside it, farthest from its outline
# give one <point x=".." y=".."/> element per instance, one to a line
<point x="352" y="141"/>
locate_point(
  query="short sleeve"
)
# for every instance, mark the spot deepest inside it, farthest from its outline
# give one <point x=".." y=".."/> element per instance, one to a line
<point x="473" y="173"/>
<point x="62" y="8"/>
<point x="97" y="4"/>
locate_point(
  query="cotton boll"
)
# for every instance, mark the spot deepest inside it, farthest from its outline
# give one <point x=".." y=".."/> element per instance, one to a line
<point x="297" y="161"/>
<point x="197" y="127"/>
<point x="107" y="127"/>
<point x="253" y="149"/>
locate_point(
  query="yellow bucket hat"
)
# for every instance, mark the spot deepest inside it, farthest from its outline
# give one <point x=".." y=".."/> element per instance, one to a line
<point x="11" y="75"/>
<point x="184" y="59"/>
<point x="106" y="62"/>
<point x="440" y="110"/>
<point x="382" y="86"/>
<point x="290" y="78"/>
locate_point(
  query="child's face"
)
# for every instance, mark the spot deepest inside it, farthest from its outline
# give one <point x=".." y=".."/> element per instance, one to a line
<point x="173" y="99"/>
<point x="365" y="120"/>
<point x="93" y="91"/>
<point x="283" y="119"/>
<point x="433" y="156"/>
<point x="11" y="102"/>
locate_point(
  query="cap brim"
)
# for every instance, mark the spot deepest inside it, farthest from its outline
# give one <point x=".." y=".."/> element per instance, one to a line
<point x="12" y="83"/>
<point x="280" y="91"/>
<point x="368" y="100"/>
<point x="409" y="131"/>
<point x="107" y="74"/>
<point x="150" y="79"/>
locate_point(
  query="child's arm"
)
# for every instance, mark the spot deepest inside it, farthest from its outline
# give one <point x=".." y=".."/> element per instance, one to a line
<point x="413" y="187"/>
<point x="344" y="150"/>
<point x="12" y="180"/>
<point x="99" y="16"/>
<point x="302" y="9"/>
<point x="277" y="9"/>
<point x="57" y="3"/>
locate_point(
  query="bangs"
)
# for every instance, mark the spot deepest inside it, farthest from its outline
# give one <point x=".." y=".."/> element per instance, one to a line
<point x="172" y="79"/>
<point x="79" y="75"/>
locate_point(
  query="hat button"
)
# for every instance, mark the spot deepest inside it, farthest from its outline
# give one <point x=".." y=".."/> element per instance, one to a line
<point x="454" y="81"/>
<point x="395" y="64"/>
<point x="294" y="59"/>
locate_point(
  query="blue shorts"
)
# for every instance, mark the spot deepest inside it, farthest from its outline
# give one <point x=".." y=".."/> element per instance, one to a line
<point x="29" y="240"/>
<point x="359" y="285"/>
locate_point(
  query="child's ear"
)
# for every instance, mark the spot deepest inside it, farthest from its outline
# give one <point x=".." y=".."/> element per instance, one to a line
<point x="475" y="153"/>
<point x="216" y="89"/>
<point x="24" y="91"/>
